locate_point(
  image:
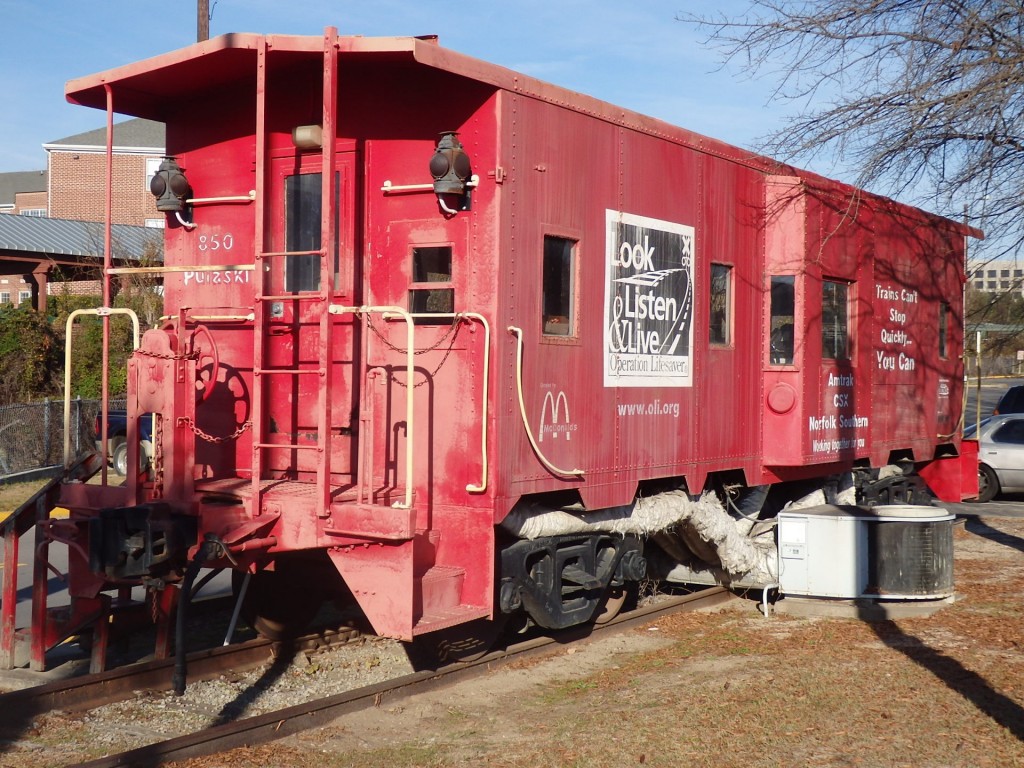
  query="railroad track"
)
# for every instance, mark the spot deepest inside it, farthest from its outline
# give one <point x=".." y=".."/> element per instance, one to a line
<point x="267" y="727"/>
<point x="91" y="691"/>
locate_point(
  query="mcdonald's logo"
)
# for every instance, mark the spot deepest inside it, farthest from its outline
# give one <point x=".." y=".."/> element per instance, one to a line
<point x="555" y="405"/>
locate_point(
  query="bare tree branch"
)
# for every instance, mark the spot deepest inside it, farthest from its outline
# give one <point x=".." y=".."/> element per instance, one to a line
<point x="925" y="98"/>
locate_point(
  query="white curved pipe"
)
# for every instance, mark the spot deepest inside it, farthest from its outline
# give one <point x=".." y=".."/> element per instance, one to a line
<point x="185" y="224"/>
<point x="444" y="206"/>
<point x="764" y="598"/>
<point x="522" y="411"/>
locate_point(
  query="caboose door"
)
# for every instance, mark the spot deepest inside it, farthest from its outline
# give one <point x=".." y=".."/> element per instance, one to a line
<point x="293" y="325"/>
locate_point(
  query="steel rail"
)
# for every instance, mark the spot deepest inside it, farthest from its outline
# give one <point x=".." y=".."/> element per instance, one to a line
<point x="268" y="727"/>
<point x="90" y="691"/>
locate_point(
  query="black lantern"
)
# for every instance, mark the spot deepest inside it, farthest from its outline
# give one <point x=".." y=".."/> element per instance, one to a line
<point x="450" y="166"/>
<point x="170" y="187"/>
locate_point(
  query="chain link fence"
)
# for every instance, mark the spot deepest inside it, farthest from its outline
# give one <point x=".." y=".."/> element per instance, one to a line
<point x="32" y="434"/>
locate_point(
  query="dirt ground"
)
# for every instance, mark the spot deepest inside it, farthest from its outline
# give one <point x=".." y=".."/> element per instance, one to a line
<point x="724" y="688"/>
<point x="732" y="688"/>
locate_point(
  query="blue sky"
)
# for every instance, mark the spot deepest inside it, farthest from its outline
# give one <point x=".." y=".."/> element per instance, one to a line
<point x="633" y="54"/>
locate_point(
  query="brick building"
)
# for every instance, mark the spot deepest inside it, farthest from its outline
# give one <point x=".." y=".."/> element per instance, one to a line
<point x="72" y="189"/>
<point x="77" y="167"/>
<point x="24" y="192"/>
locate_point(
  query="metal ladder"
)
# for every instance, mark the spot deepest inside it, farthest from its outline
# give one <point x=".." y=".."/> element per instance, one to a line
<point x="321" y="298"/>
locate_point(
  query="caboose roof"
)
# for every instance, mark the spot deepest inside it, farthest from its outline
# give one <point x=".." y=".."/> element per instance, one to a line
<point x="154" y="88"/>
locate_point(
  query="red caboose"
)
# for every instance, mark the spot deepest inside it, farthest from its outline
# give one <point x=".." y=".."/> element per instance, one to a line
<point x="408" y="292"/>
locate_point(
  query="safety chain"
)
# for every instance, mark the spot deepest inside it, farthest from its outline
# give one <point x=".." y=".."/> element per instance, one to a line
<point x="158" y="457"/>
<point x="453" y="329"/>
<point x="185" y="421"/>
<point x="184" y="356"/>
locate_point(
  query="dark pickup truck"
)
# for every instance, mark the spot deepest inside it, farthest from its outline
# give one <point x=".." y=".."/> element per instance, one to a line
<point x="117" y="446"/>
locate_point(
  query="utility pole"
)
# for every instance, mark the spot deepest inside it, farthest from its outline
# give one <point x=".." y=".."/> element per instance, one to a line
<point x="202" y="20"/>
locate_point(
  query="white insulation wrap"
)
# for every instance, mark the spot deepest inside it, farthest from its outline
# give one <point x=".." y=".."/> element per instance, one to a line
<point x="739" y="555"/>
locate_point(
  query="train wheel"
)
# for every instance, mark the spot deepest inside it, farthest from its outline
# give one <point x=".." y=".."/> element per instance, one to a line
<point x="277" y="605"/>
<point x="612" y="603"/>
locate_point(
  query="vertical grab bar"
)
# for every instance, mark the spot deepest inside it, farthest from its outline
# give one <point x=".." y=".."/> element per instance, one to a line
<point x="69" y="337"/>
<point x="410" y="369"/>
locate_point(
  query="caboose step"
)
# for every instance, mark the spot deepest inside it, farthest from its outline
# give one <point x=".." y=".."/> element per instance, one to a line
<point x="438" y="599"/>
<point x="440" y="590"/>
<point x="372" y="521"/>
<point x="459" y="614"/>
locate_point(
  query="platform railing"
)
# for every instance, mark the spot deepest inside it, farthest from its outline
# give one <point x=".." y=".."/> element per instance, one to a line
<point x="69" y="339"/>
<point x="410" y="368"/>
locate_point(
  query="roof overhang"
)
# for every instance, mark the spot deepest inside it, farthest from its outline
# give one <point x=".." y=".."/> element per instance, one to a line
<point x="152" y="87"/>
<point x="155" y="88"/>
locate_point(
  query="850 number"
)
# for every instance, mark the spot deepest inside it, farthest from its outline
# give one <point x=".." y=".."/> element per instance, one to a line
<point x="216" y="242"/>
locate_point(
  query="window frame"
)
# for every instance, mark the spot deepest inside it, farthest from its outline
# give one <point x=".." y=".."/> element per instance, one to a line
<point x="943" y="330"/>
<point x="1007" y="429"/>
<point x="152" y="168"/>
<point x="730" y="303"/>
<point x="293" y="264"/>
<point x="847" y="356"/>
<point x="571" y="315"/>
<point x="575" y="237"/>
<point x="792" y="278"/>
<point x="424" y="286"/>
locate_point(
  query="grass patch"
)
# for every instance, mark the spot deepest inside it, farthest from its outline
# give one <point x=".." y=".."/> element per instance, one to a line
<point x="13" y="495"/>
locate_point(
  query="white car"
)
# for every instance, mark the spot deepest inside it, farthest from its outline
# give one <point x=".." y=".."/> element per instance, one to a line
<point x="1000" y="455"/>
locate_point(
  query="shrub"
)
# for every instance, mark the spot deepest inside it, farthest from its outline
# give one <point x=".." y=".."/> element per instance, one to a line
<point x="31" y="355"/>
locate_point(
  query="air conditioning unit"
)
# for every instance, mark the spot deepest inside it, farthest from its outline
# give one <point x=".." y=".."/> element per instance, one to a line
<point x="898" y="552"/>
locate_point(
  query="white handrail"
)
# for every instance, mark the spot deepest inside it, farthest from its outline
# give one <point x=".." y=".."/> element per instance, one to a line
<point x="336" y="309"/>
<point x="522" y="410"/>
<point x="387" y="187"/>
<point x="246" y="198"/>
<point x="482" y="485"/>
<point x="68" y="336"/>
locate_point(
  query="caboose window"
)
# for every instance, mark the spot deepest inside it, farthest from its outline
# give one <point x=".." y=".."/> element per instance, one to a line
<point x="835" y="321"/>
<point x="152" y="166"/>
<point x="557" y="286"/>
<point x="719" y="331"/>
<point x="943" y="330"/>
<point x="303" y="206"/>
<point x="302" y="231"/>
<point x="783" y="302"/>
<point x="431" y="291"/>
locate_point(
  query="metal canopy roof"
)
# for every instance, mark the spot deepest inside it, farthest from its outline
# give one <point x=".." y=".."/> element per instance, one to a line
<point x="62" y="237"/>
